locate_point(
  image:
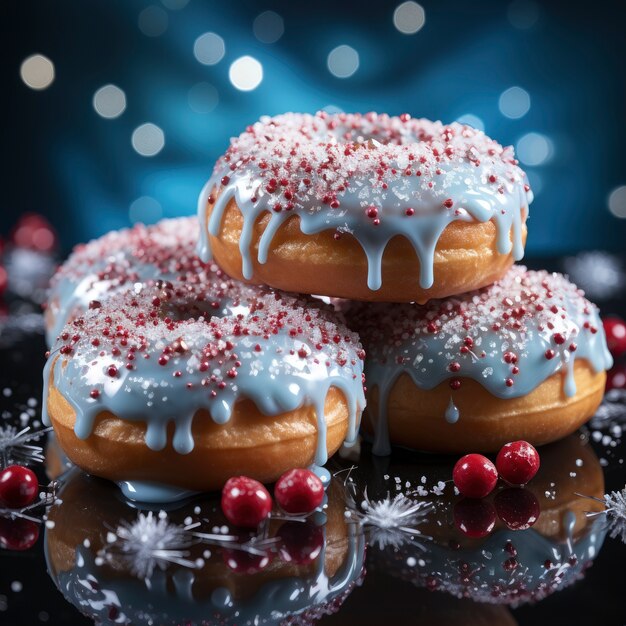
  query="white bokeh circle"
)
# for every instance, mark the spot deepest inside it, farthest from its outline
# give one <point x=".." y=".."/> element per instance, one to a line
<point x="245" y="73"/>
<point x="37" y="71"/>
<point x="148" y="139"/>
<point x="209" y="48"/>
<point x="343" y="61"/>
<point x="409" y="17"/>
<point x="109" y="101"/>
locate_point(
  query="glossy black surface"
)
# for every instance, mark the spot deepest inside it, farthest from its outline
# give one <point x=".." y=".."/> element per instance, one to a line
<point x="29" y="596"/>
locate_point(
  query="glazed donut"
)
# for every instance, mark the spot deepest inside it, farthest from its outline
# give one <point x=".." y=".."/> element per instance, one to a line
<point x="230" y="587"/>
<point x="176" y="387"/>
<point x="115" y="262"/>
<point x="366" y="207"/>
<point x="521" y="359"/>
<point x="542" y="559"/>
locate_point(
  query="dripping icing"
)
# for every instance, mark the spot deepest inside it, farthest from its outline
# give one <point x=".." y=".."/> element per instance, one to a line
<point x="462" y="342"/>
<point x="451" y="413"/>
<point x="464" y="177"/>
<point x="267" y="358"/>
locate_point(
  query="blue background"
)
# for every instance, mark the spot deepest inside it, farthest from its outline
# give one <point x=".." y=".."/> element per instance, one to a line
<point x="63" y="160"/>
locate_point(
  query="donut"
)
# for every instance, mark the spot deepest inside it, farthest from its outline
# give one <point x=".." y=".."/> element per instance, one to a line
<point x="283" y="584"/>
<point x="524" y="358"/>
<point x="115" y="262"/>
<point x="510" y="565"/>
<point x="367" y="207"/>
<point x="174" y="387"/>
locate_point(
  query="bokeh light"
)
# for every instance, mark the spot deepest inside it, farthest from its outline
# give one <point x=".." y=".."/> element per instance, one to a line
<point x="148" y="139"/>
<point x="246" y="73"/>
<point x="617" y="202"/>
<point x="146" y="210"/>
<point x="534" y="149"/>
<point x="209" y="49"/>
<point x="37" y="71"/>
<point x="268" y="27"/>
<point x="471" y="120"/>
<point x="193" y="67"/>
<point x="343" y="61"/>
<point x="109" y="101"/>
<point x="203" y="97"/>
<point x="514" y="102"/>
<point x="523" y="14"/>
<point x="409" y="17"/>
<point x="153" y="21"/>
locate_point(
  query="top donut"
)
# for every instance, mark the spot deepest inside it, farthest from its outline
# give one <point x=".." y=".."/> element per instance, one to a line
<point x="368" y="207"/>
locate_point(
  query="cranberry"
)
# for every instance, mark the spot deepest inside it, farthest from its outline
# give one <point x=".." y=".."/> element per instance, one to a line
<point x="299" y="491"/>
<point x="510" y="564"/>
<point x="246" y="562"/>
<point x="18" y="533"/>
<point x="18" y="487"/>
<point x="475" y="476"/>
<point x="474" y="518"/>
<point x="301" y="543"/>
<point x="34" y="232"/>
<point x="518" y="508"/>
<point x="245" y="502"/>
<point x="517" y="462"/>
<point x="3" y="280"/>
<point x="616" y="377"/>
<point x="615" y="329"/>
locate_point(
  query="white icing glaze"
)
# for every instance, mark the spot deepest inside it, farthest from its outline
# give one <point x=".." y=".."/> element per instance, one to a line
<point x="116" y="261"/>
<point x="163" y="350"/>
<point x="509" y="337"/>
<point x="372" y="176"/>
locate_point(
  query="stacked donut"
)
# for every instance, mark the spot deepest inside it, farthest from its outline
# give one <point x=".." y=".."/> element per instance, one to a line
<point x="393" y="211"/>
<point x="178" y="371"/>
<point x="168" y="377"/>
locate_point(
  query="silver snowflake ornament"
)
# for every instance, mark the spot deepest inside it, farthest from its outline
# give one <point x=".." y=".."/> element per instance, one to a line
<point x="16" y="445"/>
<point x="614" y="512"/>
<point x="615" y="509"/>
<point x="149" y="542"/>
<point x="392" y="522"/>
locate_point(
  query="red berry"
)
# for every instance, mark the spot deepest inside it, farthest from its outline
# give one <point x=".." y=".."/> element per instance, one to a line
<point x="246" y="562"/>
<point x="518" y="508"/>
<point x="510" y="564"/>
<point x="3" y="280"/>
<point x="616" y="377"/>
<point x="615" y="329"/>
<point x="245" y="502"/>
<point x="301" y="543"/>
<point x="299" y="491"/>
<point x="475" y="476"/>
<point x="18" y="487"/>
<point x="34" y="232"/>
<point x="474" y="518"/>
<point x="517" y="462"/>
<point x="18" y="533"/>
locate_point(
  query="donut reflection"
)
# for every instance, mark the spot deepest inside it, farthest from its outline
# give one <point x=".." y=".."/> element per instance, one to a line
<point x="297" y="570"/>
<point x="518" y="545"/>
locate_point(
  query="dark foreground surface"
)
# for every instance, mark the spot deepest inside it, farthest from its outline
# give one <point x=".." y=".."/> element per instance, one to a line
<point x="407" y="561"/>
